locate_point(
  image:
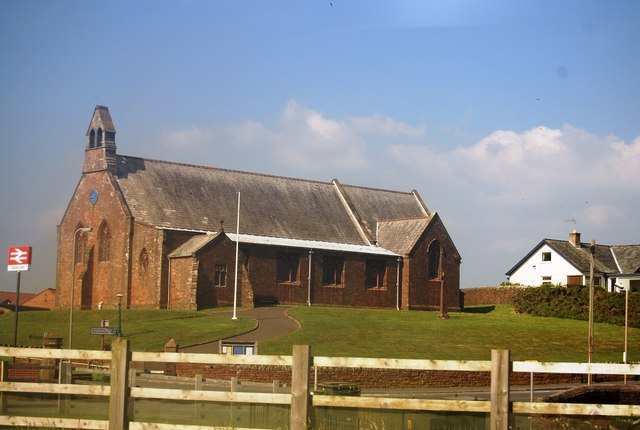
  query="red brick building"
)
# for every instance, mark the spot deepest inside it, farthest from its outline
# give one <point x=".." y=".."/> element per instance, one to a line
<point x="164" y="235"/>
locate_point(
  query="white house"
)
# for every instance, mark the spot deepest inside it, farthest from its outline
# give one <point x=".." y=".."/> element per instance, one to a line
<point x="568" y="263"/>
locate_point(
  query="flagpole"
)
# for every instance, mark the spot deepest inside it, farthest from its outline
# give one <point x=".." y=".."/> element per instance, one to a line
<point x="235" y="280"/>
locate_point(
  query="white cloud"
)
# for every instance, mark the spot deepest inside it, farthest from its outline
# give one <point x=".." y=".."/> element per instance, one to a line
<point x="385" y="126"/>
<point x="303" y="139"/>
<point x="498" y="197"/>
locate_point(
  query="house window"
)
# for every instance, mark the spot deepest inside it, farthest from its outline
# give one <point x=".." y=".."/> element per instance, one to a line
<point x="220" y="275"/>
<point x="104" y="242"/>
<point x="288" y="264"/>
<point x="81" y="246"/>
<point x="374" y="277"/>
<point x="332" y="271"/>
<point x="434" y="260"/>
<point x="546" y="280"/>
<point x="546" y="256"/>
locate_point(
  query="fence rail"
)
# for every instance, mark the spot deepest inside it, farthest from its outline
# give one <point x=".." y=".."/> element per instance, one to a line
<point x="300" y="400"/>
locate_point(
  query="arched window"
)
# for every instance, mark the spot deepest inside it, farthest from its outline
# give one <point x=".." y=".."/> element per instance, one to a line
<point x="99" y="142"/>
<point x="434" y="260"/>
<point x="143" y="262"/>
<point x="81" y="246"/>
<point x="92" y="138"/>
<point x="104" y="242"/>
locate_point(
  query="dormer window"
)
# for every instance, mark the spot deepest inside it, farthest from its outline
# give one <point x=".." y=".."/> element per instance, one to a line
<point x="546" y="257"/>
<point x="92" y="139"/>
<point x="99" y="143"/>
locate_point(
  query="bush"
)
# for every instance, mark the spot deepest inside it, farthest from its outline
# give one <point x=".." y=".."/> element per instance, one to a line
<point x="573" y="303"/>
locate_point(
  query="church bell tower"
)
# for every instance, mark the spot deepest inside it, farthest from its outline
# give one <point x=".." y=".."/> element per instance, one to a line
<point x="100" y="153"/>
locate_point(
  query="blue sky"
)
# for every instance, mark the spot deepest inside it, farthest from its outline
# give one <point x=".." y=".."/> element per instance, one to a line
<point x="508" y="117"/>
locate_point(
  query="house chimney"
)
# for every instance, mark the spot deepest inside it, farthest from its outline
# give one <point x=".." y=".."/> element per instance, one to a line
<point x="574" y="238"/>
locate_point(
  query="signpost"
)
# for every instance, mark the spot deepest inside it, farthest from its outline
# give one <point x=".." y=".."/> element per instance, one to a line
<point x="108" y="331"/>
<point x="19" y="261"/>
<point x="19" y="258"/>
<point x="104" y="330"/>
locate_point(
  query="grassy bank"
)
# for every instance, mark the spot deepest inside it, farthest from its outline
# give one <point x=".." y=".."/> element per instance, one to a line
<point x="352" y="332"/>
<point x="468" y="335"/>
<point x="148" y="330"/>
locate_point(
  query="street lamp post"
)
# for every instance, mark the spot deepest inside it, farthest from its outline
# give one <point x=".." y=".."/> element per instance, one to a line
<point x="73" y="278"/>
<point x="119" y="296"/>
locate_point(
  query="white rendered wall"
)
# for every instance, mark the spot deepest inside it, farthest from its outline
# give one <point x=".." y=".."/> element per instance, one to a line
<point x="532" y="271"/>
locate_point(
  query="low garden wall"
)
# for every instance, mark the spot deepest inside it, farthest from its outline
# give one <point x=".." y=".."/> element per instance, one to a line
<point x="379" y="378"/>
<point x="498" y="295"/>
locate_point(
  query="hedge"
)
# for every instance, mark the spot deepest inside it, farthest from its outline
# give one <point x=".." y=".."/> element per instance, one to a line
<point x="573" y="303"/>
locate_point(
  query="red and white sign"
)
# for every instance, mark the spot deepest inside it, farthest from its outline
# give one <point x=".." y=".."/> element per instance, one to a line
<point x="19" y="258"/>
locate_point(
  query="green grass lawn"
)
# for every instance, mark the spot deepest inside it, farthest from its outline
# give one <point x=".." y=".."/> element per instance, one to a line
<point x="468" y="335"/>
<point x="349" y="332"/>
<point x="148" y="330"/>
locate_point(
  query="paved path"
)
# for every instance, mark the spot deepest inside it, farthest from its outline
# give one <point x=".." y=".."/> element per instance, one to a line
<point x="272" y="321"/>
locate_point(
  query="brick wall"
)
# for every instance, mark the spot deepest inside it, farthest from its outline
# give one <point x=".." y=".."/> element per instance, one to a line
<point x="100" y="280"/>
<point x="423" y="292"/>
<point x="378" y="378"/>
<point x="490" y="295"/>
<point x="183" y="275"/>
<point x="146" y="282"/>
<point x="43" y="300"/>
<point x="221" y="252"/>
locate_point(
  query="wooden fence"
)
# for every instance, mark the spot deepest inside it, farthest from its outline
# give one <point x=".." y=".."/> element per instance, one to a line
<point x="300" y="400"/>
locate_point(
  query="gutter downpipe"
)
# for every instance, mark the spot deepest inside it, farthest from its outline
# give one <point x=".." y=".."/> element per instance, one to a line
<point x="309" y="279"/>
<point x="398" y="284"/>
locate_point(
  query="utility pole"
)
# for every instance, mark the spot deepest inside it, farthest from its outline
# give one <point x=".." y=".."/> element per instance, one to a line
<point x="592" y="250"/>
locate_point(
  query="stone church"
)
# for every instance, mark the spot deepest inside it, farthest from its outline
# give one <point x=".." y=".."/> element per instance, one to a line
<point x="165" y="235"/>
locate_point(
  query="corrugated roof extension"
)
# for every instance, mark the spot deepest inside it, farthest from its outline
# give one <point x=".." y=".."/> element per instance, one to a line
<point x="196" y="198"/>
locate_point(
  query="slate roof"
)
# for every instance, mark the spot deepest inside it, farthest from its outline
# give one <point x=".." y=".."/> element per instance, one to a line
<point x="628" y="258"/>
<point x="193" y="245"/>
<point x="619" y="259"/>
<point x="9" y="297"/>
<point x="196" y="198"/>
<point x="102" y="117"/>
<point x="400" y="236"/>
<point x="580" y="257"/>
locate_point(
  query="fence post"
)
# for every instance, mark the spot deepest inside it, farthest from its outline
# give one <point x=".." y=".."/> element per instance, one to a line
<point x="170" y="368"/>
<point x="300" y="397"/>
<point x="500" y="368"/>
<point x="4" y="372"/>
<point x="65" y="376"/>
<point x="119" y="398"/>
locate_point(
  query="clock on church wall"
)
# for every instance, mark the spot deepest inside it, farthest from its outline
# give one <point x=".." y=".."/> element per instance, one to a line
<point x="93" y="197"/>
